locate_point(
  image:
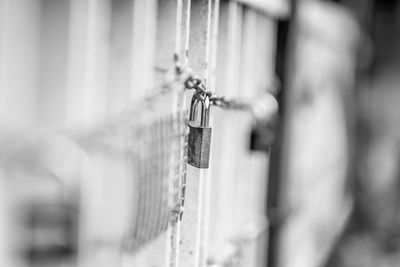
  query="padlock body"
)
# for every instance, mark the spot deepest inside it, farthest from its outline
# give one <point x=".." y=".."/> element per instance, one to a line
<point x="199" y="143"/>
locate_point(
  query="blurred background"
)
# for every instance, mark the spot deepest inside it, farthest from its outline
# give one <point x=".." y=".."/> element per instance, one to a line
<point x="95" y="97"/>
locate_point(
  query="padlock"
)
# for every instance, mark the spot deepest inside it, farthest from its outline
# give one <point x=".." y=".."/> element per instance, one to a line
<point x="199" y="139"/>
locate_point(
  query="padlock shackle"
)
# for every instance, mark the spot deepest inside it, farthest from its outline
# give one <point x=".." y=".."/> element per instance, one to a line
<point x="205" y="112"/>
<point x="193" y="107"/>
<point x="204" y="99"/>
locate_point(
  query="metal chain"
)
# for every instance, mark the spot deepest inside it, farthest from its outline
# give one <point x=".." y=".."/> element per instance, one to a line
<point x="196" y="83"/>
<point x="223" y="102"/>
<point x="184" y="74"/>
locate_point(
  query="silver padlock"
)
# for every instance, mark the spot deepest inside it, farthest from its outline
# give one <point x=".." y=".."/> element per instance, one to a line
<point x="199" y="139"/>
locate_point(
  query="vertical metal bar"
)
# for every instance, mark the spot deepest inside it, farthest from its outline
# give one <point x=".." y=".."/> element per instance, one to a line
<point x="86" y="106"/>
<point x="275" y="179"/>
<point x="19" y="47"/>
<point x="120" y="66"/>
<point x="19" y="58"/>
<point x="194" y="222"/>
<point x="52" y="78"/>
<point x="143" y="46"/>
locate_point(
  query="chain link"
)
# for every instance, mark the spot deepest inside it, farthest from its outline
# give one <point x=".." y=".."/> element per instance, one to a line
<point x="194" y="82"/>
